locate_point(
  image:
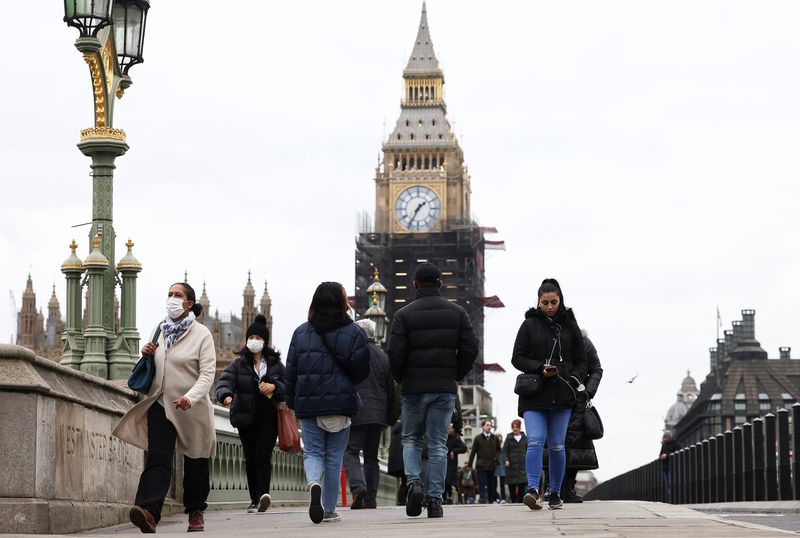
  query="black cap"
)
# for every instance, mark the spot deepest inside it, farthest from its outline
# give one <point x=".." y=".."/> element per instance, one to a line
<point x="427" y="272"/>
<point x="258" y="328"/>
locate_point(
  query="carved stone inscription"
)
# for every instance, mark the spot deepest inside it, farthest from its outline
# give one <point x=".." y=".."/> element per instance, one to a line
<point x="92" y="464"/>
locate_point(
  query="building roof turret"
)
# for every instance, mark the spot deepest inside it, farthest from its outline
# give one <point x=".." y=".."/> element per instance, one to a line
<point x="249" y="291"/>
<point x="53" y="304"/>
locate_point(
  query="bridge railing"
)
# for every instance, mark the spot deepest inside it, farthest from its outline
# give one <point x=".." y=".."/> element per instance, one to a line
<point x="758" y="461"/>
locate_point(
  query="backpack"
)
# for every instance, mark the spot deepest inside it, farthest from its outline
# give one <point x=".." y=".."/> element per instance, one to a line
<point x="466" y="479"/>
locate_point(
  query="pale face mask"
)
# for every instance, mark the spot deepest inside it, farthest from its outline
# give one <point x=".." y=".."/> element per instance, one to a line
<point x="175" y="307"/>
<point x="255" y="345"/>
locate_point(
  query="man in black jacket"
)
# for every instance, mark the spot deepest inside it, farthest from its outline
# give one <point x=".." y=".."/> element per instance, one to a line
<point x="432" y="345"/>
<point x="668" y="446"/>
<point x="377" y="393"/>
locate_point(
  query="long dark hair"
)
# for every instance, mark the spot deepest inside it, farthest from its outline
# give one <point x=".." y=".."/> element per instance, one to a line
<point x="330" y="299"/>
<point x="197" y="308"/>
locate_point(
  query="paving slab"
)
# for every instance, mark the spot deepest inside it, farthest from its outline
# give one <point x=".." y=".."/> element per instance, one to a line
<point x="606" y="519"/>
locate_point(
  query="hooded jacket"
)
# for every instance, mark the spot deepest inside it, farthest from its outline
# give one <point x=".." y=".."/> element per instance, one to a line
<point x="559" y="340"/>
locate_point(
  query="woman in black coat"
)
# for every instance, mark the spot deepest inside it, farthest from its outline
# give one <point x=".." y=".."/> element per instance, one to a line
<point x="549" y="345"/>
<point x="581" y="455"/>
<point x="251" y="386"/>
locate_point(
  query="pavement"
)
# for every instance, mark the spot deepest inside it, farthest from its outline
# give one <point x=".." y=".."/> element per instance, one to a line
<point x="606" y="519"/>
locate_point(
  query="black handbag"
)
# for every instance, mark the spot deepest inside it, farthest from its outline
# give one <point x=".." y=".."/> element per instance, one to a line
<point x="592" y="424"/>
<point x="141" y="378"/>
<point x="528" y="384"/>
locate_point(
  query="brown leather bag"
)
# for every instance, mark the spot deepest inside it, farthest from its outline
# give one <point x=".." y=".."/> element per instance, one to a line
<point x="288" y="436"/>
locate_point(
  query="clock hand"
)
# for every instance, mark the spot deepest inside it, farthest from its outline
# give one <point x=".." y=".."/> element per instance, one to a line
<point x="421" y="204"/>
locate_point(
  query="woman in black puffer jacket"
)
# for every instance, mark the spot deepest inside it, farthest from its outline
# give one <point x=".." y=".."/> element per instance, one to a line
<point x="581" y="455"/>
<point x="549" y="343"/>
<point x="252" y="385"/>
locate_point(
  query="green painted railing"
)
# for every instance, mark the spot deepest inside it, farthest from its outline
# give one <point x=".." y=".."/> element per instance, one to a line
<point x="229" y="479"/>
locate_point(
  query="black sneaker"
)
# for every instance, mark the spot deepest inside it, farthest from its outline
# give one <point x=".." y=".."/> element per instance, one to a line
<point x="571" y="497"/>
<point x="414" y="499"/>
<point x="532" y="499"/>
<point x="434" y="508"/>
<point x="252" y="509"/>
<point x="315" y="511"/>
<point x="554" y="502"/>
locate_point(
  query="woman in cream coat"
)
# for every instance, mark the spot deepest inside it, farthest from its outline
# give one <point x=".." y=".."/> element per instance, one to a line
<point x="177" y="412"/>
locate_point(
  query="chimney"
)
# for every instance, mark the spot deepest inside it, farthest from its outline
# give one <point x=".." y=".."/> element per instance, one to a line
<point x="730" y="342"/>
<point x="749" y="324"/>
<point x="738" y="332"/>
<point x="785" y="352"/>
<point x="712" y="352"/>
<point x="721" y="349"/>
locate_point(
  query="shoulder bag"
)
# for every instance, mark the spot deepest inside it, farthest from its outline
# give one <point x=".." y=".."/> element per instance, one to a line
<point x="592" y="425"/>
<point x="529" y="384"/>
<point x="288" y="436"/>
<point x="141" y="378"/>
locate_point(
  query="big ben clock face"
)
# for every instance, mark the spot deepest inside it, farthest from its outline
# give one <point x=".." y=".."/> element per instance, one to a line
<point x="418" y="208"/>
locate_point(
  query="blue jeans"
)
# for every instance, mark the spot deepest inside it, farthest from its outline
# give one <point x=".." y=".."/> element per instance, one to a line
<point x="322" y="457"/>
<point x="550" y="426"/>
<point x="667" y="478"/>
<point x="427" y="415"/>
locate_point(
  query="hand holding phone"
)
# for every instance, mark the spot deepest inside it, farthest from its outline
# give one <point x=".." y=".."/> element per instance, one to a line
<point x="550" y="370"/>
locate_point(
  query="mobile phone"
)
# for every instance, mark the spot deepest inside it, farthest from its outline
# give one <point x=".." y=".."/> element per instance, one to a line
<point x="550" y="367"/>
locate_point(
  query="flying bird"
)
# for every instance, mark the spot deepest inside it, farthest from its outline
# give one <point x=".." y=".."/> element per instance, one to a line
<point x="631" y="380"/>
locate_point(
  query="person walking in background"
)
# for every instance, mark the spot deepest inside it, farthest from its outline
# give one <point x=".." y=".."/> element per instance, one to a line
<point x="486" y="450"/>
<point x="251" y="386"/>
<point x="328" y="356"/>
<point x="581" y="455"/>
<point x="394" y="466"/>
<point x="377" y="393"/>
<point x="468" y="484"/>
<point x="177" y="412"/>
<point x="455" y="446"/>
<point x="500" y="472"/>
<point x="549" y="343"/>
<point x="514" y="449"/>
<point x="432" y="345"/>
<point x="668" y="446"/>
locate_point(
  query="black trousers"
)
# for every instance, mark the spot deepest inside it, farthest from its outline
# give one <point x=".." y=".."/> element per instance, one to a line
<point x="517" y="492"/>
<point x="258" y="441"/>
<point x="155" y="479"/>
<point x="366" y="438"/>
<point x="486" y="486"/>
<point x="570" y="478"/>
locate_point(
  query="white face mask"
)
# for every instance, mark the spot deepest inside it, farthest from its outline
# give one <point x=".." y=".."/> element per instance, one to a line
<point x="255" y="345"/>
<point x="175" y="307"/>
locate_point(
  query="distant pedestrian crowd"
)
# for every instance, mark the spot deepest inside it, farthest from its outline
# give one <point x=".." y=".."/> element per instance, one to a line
<point x="344" y="390"/>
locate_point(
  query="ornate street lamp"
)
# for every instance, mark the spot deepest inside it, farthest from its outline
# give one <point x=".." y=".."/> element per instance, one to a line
<point x="130" y="19"/>
<point x="376" y="311"/>
<point x="111" y="40"/>
<point x="88" y="16"/>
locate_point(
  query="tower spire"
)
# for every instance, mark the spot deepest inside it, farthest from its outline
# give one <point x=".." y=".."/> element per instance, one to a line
<point x="423" y="59"/>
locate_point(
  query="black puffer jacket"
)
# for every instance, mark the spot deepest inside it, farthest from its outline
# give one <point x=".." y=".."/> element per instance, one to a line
<point x="316" y="383"/>
<point x="432" y="344"/>
<point x="240" y="381"/>
<point x="538" y="338"/>
<point x="376" y="391"/>
<point x="581" y="454"/>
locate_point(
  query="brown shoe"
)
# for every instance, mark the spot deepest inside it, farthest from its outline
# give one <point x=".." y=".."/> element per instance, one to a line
<point x="143" y="519"/>
<point x="196" y="521"/>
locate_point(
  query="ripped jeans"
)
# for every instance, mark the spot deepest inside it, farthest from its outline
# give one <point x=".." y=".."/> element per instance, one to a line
<point x="550" y="426"/>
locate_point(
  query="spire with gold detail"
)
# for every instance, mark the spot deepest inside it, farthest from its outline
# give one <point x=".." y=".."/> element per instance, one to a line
<point x="266" y="310"/>
<point x="249" y="307"/>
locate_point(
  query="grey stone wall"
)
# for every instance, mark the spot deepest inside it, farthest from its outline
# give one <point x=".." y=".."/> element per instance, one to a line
<point x="61" y="470"/>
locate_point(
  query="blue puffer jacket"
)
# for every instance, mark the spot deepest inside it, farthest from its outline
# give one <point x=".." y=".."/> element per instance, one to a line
<point x="318" y="385"/>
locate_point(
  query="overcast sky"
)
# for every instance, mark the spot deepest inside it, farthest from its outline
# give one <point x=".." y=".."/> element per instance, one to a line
<point x="643" y="153"/>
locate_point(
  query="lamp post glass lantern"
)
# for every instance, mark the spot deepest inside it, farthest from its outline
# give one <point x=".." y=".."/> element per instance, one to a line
<point x="130" y="18"/>
<point x="88" y="16"/>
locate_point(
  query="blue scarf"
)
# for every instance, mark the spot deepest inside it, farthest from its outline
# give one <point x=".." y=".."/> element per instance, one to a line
<point x="172" y="331"/>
